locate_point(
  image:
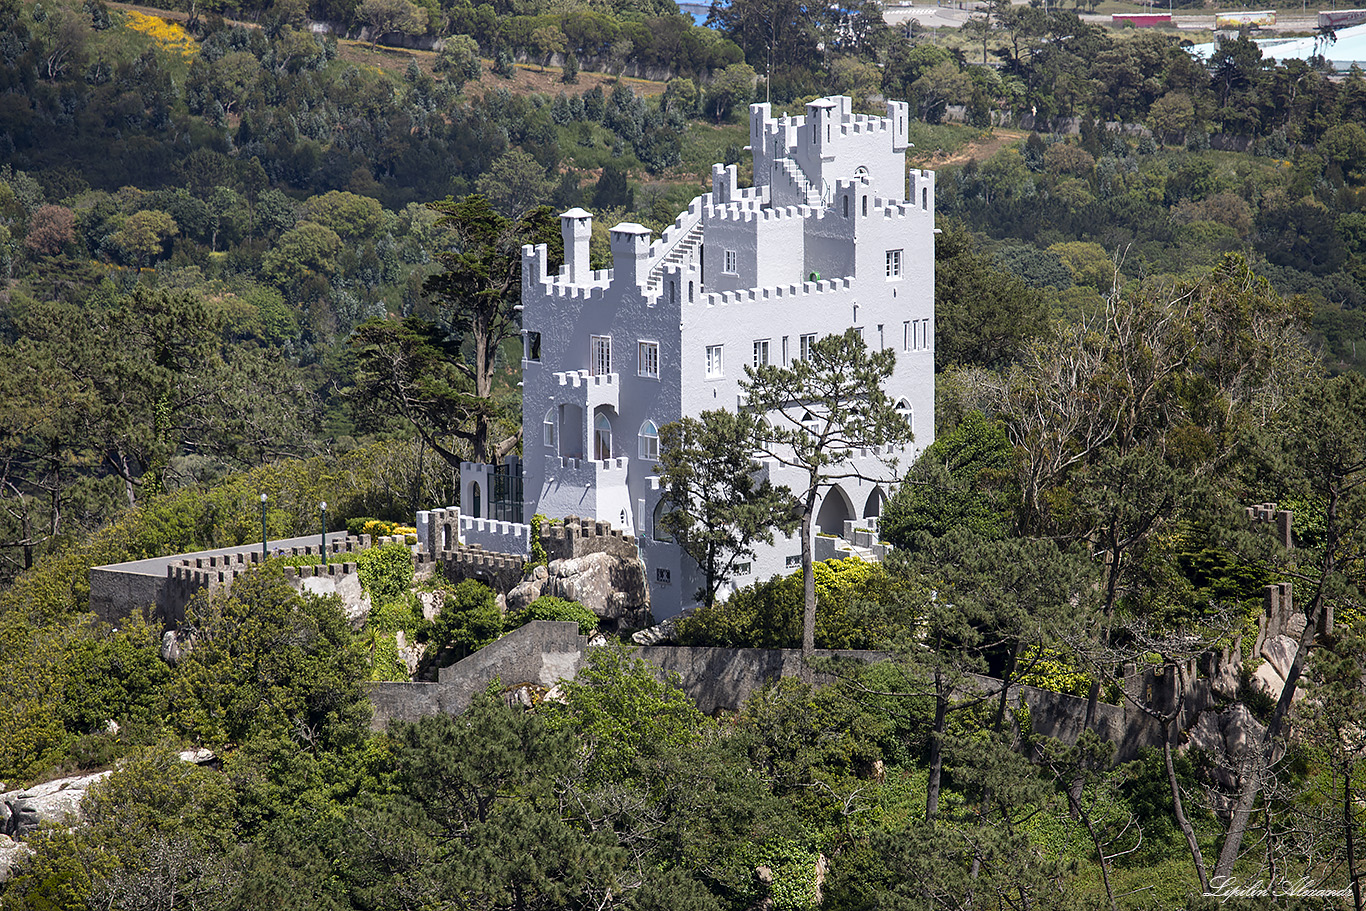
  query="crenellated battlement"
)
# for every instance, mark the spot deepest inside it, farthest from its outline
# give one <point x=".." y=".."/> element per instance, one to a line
<point x="753" y="213"/>
<point x="780" y="292"/>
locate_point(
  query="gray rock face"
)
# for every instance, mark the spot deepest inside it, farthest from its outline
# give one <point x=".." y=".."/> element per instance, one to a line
<point x="56" y="802"/>
<point x="656" y="635"/>
<point x="11" y="853"/>
<point x="175" y="644"/>
<point x="355" y="602"/>
<point x="611" y="586"/>
<point x="1279" y="651"/>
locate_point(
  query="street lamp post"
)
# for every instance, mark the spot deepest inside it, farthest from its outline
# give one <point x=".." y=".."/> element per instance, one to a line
<point x="323" y="507"/>
<point x="263" y="527"/>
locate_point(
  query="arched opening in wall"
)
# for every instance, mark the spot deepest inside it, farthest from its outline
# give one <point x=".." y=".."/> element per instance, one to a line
<point x="571" y="431"/>
<point x="876" y="500"/>
<point x="834" y="512"/>
<point x="602" y="436"/>
<point x="904" y="409"/>
<point x="475" y="501"/>
<point x="656" y="518"/>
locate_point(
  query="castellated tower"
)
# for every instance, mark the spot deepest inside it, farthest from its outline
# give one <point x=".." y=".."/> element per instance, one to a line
<point x="835" y="233"/>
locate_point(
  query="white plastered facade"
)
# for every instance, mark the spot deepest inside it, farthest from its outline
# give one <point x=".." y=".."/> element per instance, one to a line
<point x="835" y="233"/>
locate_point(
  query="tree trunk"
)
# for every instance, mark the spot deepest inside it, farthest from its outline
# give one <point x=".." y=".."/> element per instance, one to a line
<point x="1252" y="786"/>
<point x="808" y="587"/>
<point x="936" y="758"/>
<point x="1180" y="812"/>
<point x="1349" y="822"/>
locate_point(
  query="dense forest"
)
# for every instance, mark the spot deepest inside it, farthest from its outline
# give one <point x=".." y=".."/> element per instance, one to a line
<point x="240" y="257"/>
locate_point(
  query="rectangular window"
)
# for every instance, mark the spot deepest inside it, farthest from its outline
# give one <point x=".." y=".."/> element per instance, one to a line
<point x="729" y="265"/>
<point x="807" y="342"/>
<point x="662" y="576"/>
<point x="548" y="429"/>
<point x="794" y="560"/>
<point x="533" y="346"/>
<point x="785" y="361"/>
<point x="714" y="363"/>
<point x="906" y="336"/>
<point x="761" y="353"/>
<point x="647" y="360"/>
<point x="743" y="569"/>
<point x="893" y="264"/>
<point x="601" y="365"/>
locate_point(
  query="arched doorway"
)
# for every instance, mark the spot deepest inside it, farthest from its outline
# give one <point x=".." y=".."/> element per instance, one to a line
<point x="834" y="512"/>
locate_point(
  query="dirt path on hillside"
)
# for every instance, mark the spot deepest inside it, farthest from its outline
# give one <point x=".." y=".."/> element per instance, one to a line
<point x="976" y="150"/>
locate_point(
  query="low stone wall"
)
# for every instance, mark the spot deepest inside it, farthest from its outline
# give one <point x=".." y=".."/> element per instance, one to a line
<point x="500" y="572"/>
<point x="541" y="653"/>
<point x="575" y="537"/>
<point x="722" y="679"/>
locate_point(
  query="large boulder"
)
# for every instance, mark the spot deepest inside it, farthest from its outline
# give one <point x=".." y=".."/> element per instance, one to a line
<point x="610" y="586"/>
<point x="355" y="602"/>
<point x="55" y="802"/>
<point x="1280" y="652"/>
<point x="11" y="852"/>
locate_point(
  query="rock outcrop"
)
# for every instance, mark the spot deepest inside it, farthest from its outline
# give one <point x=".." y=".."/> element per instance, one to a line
<point x="611" y="586"/>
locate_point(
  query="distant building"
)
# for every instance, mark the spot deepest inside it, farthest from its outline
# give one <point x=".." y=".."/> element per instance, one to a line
<point x="830" y="236"/>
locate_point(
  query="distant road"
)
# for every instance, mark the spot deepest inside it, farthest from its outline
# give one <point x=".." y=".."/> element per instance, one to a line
<point x="930" y="16"/>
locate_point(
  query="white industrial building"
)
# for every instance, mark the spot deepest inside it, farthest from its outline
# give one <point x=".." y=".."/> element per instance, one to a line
<point x="835" y="233"/>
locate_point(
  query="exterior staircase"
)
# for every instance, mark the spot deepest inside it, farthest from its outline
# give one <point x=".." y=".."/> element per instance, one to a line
<point x="680" y="253"/>
<point x="810" y="194"/>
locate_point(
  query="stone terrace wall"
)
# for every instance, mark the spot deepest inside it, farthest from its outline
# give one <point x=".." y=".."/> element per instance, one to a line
<point x="118" y="591"/>
<point x="541" y="653"/>
<point x="721" y="679"/>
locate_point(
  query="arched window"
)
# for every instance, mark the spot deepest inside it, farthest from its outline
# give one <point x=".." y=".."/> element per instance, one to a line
<point x="602" y="438"/>
<point x="649" y="441"/>
<point x="656" y="528"/>
<point x="548" y="429"/>
<point x="904" y="409"/>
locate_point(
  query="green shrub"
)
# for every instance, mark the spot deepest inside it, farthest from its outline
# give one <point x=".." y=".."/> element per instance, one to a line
<point x="386" y="572"/>
<point x="551" y="608"/>
<point x="469" y="619"/>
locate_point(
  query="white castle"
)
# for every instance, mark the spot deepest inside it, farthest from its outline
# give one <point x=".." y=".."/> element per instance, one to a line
<point x="834" y="234"/>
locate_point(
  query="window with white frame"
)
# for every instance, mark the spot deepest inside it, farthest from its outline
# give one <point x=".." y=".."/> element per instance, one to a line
<point x="893" y="264"/>
<point x="728" y="266"/>
<point x="649" y="441"/>
<point x="601" y="363"/>
<point x="714" y="362"/>
<point x="647" y="360"/>
<point x="804" y="351"/>
<point x="548" y="429"/>
<point x="761" y="352"/>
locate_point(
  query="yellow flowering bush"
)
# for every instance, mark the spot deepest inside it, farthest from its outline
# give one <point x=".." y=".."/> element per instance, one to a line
<point x="170" y="35"/>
